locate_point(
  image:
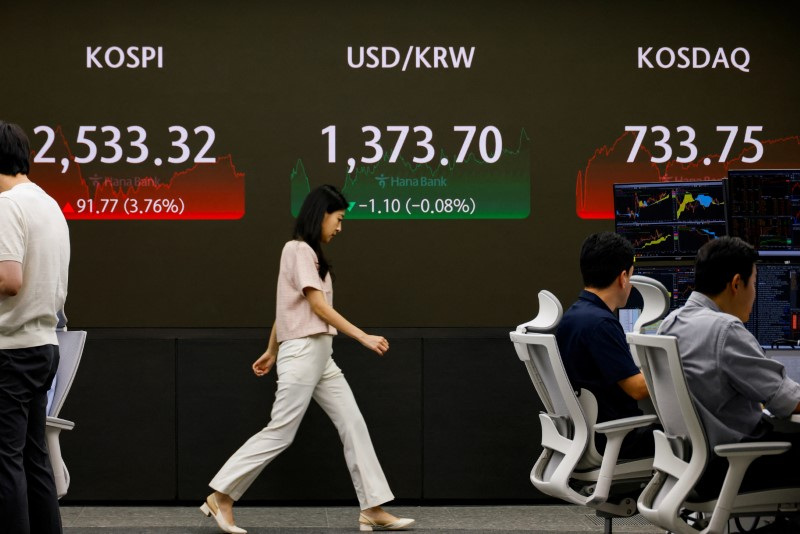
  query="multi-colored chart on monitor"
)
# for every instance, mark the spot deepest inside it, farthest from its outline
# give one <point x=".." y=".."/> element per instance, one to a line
<point x="669" y="220"/>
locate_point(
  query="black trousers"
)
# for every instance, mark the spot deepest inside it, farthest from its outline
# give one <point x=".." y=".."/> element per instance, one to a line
<point x="766" y="472"/>
<point x="28" y="501"/>
<point x="638" y="443"/>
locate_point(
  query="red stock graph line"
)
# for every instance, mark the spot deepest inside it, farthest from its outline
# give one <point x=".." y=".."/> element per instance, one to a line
<point x="204" y="191"/>
<point x="594" y="197"/>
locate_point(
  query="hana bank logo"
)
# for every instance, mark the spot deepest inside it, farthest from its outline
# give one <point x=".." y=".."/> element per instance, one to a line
<point x="118" y="183"/>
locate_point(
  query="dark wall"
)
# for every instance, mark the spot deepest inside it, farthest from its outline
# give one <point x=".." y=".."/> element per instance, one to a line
<point x="452" y="415"/>
<point x="123" y="404"/>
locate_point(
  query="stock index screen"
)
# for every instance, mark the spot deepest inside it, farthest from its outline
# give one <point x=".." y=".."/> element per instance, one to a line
<point x="671" y="219"/>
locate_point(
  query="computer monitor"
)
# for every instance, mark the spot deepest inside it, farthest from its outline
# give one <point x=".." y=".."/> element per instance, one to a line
<point x="764" y="210"/>
<point x="775" y="320"/>
<point x="677" y="279"/>
<point x="670" y="219"/>
<point x="790" y="361"/>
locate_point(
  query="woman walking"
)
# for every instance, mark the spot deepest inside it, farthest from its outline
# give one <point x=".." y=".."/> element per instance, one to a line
<point x="300" y="342"/>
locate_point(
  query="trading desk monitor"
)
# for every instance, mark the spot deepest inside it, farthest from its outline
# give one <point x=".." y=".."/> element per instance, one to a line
<point x="679" y="281"/>
<point x="670" y="219"/>
<point x="790" y="360"/>
<point x="763" y="210"/>
<point x="775" y="319"/>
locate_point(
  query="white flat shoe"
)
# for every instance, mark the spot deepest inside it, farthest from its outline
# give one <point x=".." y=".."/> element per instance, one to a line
<point x="367" y="525"/>
<point x="221" y="523"/>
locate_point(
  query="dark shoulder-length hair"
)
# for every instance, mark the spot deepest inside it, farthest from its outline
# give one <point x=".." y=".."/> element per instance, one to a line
<point x="324" y="199"/>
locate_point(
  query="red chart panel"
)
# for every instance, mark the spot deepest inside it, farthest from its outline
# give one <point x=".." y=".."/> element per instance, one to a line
<point x="209" y="190"/>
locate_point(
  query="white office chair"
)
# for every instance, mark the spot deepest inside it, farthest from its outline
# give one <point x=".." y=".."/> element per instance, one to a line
<point x="682" y="454"/>
<point x="70" y="348"/>
<point x="570" y="468"/>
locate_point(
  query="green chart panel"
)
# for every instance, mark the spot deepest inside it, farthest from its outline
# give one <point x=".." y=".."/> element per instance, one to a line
<point x="485" y="179"/>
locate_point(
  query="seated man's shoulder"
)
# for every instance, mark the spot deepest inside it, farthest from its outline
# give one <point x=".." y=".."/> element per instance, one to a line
<point x="697" y="316"/>
<point x="578" y="319"/>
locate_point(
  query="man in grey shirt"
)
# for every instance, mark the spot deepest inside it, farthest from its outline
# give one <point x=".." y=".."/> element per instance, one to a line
<point x="728" y="373"/>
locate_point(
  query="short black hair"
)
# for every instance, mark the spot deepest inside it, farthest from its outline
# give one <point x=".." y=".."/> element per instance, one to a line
<point x="15" y="150"/>
<point x="603" y="257"/>
<point x="719" y="260"/>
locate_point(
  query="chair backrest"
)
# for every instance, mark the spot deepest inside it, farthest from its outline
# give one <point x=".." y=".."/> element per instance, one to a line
<point x="682" y="447"/>
<point x="70" y="349"/>
<point x="539" y="353"/>
<point x="656" y="301"/>
<point x="564" y="426"/>
<point x="537" y="356"/>
<point x="546" y="320"/>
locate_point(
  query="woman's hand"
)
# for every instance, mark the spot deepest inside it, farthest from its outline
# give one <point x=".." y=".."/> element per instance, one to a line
<point x="325" y="311"/>
<point x="264" y="364"/>
<point x="375" y="343"/>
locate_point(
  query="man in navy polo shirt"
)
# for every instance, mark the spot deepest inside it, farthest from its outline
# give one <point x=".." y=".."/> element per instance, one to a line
<point x="592" y="343"/>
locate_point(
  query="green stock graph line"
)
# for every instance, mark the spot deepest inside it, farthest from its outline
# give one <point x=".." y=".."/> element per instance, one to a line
<point x="472" y="189"/>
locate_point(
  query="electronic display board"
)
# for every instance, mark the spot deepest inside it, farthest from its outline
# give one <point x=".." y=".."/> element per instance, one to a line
<point x="477" y="143"/>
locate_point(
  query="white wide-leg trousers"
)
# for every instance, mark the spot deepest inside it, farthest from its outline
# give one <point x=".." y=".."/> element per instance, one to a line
<point x="306" y="370"/>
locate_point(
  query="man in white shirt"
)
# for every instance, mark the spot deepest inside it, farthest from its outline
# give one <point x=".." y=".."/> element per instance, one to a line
<point x="34" y="258"/>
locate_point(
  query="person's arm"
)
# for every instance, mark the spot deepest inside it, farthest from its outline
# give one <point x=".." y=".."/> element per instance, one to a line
<point x="325" y="311"/>
<point x="12" y="247"/>
<point x="756" y="376"/>
<point x="264" y="363"/>
<point x="635" y="386"/>
<point x="10" y="277"/>
<point x="612" y="355"/>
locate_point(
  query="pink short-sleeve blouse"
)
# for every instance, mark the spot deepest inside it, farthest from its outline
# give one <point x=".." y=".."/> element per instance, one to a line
<point x="294" y="317"/>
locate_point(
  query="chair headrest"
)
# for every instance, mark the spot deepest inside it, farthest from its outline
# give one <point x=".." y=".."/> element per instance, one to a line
<point x="550" y="313"/>
<point x="656" y="301"/>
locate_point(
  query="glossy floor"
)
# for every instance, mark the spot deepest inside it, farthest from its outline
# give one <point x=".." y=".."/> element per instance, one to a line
<point x="307" y="520"/>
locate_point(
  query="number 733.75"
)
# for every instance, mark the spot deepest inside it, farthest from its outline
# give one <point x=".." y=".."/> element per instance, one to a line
<point x="688" y="132"/>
